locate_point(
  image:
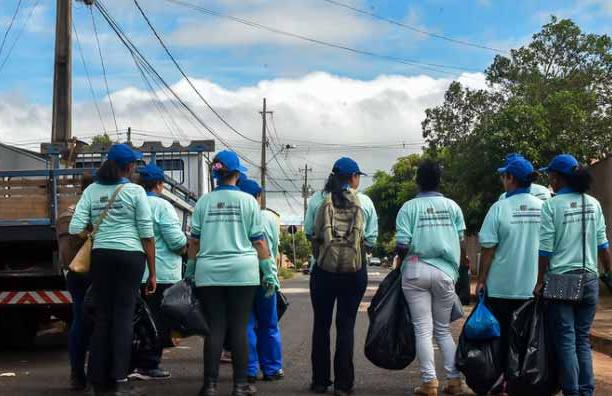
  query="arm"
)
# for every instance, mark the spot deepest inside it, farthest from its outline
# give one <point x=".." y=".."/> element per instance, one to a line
<point x="543" y="264"/>
<point x="193" y="247"/>
<point x="547" y="240"/>
<point x="371" y="222"/>
<point x="309" y="219"/>
<point x="403" y="235"/>
<point x="171" y="231"/>
<point x="148" y="244"/>
<point x="604" y="259"/>
<point x="460" y="226"/>
<point x="486" y="258"/>
<point x="81" y="218"/>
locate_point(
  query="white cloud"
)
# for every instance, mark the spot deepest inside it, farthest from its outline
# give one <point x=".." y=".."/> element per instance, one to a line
<point x="317" y="107"/>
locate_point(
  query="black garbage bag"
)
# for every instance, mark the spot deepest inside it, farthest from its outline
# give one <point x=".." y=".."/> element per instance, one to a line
<point x="462" y="287"/>
<point x="182" y="309"/>
<point x="390" y="343"/>
<point x="282" y="303"/>
<point x="480" y="362"/>
<point x="531" y="364"/>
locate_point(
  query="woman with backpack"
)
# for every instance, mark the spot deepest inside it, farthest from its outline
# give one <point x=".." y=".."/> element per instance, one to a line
<point x="124" y="243"/>
<point x="226" y="254"/>
<point x="572" y="241"/>
<point x="340" y="272"/>
<point x="430" y="229"/>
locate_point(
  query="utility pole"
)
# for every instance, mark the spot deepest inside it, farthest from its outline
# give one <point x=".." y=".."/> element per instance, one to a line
<point x="305" y="187"/>
<point x="264" y="143"/>
<point x="129" y="135"/>
<point x="61" y="130"/>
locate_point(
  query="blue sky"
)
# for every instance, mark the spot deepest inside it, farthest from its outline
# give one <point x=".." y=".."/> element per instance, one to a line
<point x="234" y="62"/>
<point x="319" y="95"/>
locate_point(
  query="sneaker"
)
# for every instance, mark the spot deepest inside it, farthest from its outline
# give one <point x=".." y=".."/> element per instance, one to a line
<point x="279" y="375"/>
<point x="151" y="374"/>
<point x="226" y="357"/>
<point x="209" y="389"/>
<point x="455" y="386"/>
<point x="320" y="389"/>
<point x="244" y="390"/>
<point x="78" y="381"/>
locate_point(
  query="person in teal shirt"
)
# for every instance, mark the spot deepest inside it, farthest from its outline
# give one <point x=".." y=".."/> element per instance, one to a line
<point x="430" y="229"/>
<point x="226" y="254"/>
<point x="347" y="289"/>
<point x="122" y="246"/>
<point x="265" y="343"/>
<point x="572" y="241"/>
<point x="509" y="238"/>
<point x="537" y="190"/>
<point x="170" y="244"/>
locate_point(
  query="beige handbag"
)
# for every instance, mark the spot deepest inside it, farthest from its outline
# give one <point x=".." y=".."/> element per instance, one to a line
<point x="81" y="263"/>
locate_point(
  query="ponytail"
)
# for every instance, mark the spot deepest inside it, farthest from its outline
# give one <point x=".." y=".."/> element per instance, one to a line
<point x="336" y="186"/>
<point x="110" y="172"/>
<point x="580" y="181"/>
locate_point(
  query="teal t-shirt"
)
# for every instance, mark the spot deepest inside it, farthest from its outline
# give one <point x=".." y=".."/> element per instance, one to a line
<point x="512" y="226"/>
<point x="431" y="227"/>
<point x="271" y="226"/>
<point x="561" y="232"/>
<point x="369" y="216"/>
<point x="537" y="190"/>
<point x="227" y="221"/>
<point x="169" y="238"/>
<point x="127" y="222"/>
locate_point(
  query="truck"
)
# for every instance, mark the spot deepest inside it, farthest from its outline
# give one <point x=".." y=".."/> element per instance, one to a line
<point x="32" y="281"/>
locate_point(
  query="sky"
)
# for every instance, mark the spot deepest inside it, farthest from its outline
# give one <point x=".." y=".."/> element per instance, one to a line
<point x="327" y="102"/>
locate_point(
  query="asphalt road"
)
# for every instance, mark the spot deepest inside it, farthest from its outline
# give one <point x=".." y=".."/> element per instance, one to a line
<point x="44" y="370"/>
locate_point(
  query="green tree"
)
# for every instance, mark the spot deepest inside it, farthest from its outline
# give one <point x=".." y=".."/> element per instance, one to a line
<point x="103" y="140"/>
<point x="551" y="96"/>
<point x="302" y="247"/>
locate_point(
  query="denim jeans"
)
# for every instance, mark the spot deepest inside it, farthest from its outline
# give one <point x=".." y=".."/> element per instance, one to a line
<point x="430" y="294"/>
<point x="571" y="327"/>
<point x="78" y="338"/>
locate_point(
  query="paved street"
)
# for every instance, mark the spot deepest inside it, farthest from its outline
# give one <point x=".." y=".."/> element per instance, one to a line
<point x="44" y="370"/>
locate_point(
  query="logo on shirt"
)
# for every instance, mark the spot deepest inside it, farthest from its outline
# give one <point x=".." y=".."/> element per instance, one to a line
<point x="523" y="208"/>
<point x="574" y="205"/>
<point x="430" y="211"/>
<point x="220" y="205"/>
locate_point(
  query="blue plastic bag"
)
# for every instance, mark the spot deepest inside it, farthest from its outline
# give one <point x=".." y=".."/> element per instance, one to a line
<point x="482" y="324"/>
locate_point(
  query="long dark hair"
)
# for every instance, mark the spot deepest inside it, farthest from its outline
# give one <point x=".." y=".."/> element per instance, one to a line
<point x="111" y="172"/>
<point x="223" y="175"/>
<point x="526" y="183"/>
<point x="336" y="186"/>
<point x="580" y="181"/>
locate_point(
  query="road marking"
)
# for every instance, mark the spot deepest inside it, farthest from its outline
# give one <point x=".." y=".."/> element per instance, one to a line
<point x="296" y="290"/>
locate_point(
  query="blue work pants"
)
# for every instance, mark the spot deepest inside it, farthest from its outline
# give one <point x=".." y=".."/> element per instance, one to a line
<point x="265" y="344"/>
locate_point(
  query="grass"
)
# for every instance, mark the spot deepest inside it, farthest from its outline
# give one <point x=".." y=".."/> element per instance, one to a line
<point x="285" y="273"/>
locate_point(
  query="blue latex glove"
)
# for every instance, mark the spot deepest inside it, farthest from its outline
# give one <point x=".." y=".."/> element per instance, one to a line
<point x="270" y="280"/>
<point x="190" y="270"/>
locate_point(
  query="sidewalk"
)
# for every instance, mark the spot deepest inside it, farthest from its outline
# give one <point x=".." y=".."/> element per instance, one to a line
<point x="601" y="333"/>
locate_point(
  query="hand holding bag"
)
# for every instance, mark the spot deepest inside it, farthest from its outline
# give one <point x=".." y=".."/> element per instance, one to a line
<point x="568" y="287"/>
<point x="81" y="263"/>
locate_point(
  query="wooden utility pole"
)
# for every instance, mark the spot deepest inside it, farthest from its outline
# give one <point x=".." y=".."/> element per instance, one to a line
<point x="264" y="144"/>
<point x="305" y="187"/>
<point x="61" y="130"/>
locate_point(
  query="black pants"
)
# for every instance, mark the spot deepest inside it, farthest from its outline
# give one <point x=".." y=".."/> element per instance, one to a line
<point x="149" y="360"/>
<point x="503" y="309"/>
<point x="115" y="276"/>
<point x="226" y="309"/>
<point x="325" y="289"/>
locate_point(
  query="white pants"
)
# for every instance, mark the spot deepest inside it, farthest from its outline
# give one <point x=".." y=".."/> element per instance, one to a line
<point x="430" y="294"/>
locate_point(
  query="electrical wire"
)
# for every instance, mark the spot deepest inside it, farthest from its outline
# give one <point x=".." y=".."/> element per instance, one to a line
<point x="416" y="29"/>
<point x="10" y="25"/>
<point x="19" y="34"/>
<point x="91" y="88"/>
<point x="180" y="69"/>
<point x="150" y="69"/>
<point x="110" y="100"/>
<point x="436" y="67"/>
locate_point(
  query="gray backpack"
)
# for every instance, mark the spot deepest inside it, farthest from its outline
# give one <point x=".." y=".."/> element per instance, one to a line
<point x="338" y="235"/>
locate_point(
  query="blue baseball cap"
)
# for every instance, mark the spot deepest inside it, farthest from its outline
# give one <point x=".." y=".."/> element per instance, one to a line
<point x="519" y="168"/>
<point x="250" y="186"/>
<point x="346" y="166"/>
<point x="151" y="172"/>
<point x="562" y="163"/>
<point x="230" y="161"/>
<point x="511" y="157"/>
<point x="123" y="154"/>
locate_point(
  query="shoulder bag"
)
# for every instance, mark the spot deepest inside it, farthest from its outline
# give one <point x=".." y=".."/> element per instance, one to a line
<point x="568" y="287"/>
<point x="81" y="263"/>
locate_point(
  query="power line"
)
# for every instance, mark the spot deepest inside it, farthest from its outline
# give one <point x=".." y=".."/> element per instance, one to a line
<point x="110" y="100"/>
<point x="180" y="69"/>
<point x="423" y="65"/>
<point x="10" y="25"/>
<point x="135" y="52"/>
<point x="415" y="29"/>
<point x="25" y="23"/>
<point x="93" y="93"/>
